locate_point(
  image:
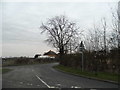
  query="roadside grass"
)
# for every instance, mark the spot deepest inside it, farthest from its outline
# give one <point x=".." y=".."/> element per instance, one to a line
<point x="98" y="75"/>
<point x="0" y="70"/>
<point x="5" y="70"/>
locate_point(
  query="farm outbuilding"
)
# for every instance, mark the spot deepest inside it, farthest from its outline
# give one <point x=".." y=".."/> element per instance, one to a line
<point x="50" y="54"/>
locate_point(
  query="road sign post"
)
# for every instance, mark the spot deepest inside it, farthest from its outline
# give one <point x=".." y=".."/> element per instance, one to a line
<point x="82" y="62"/>
<point x="81" y="50"/>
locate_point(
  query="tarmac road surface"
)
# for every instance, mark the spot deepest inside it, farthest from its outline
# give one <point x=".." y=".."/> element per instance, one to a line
<point x="44" y="76"/>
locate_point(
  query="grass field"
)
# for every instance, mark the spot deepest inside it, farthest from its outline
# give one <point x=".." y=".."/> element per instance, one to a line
<point x="98" y="75"/>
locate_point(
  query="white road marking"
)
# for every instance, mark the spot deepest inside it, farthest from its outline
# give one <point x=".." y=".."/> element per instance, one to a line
<point x="52" y="87"/>
<point x="75" y="87"/>
<point x="43" y="82"/>
<point x="29" y="84"/>
<point x="93" y="89"/>
<point x="58" y="85"/>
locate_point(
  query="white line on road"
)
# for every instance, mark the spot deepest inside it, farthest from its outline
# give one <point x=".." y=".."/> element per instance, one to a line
<point x="43" y="82"/>
<point x="75" y="87"/>
<point x="93" y="89"/>
<point x="29" y="84"/>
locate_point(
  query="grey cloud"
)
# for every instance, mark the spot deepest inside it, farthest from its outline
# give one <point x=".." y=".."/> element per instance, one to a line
<point x="21" y="22"/>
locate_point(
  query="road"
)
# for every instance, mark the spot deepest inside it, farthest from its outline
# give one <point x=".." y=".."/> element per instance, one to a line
<point x="0" y="80"/>
<point x="44" y="76"/>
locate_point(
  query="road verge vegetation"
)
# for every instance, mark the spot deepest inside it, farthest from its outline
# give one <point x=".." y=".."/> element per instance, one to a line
<point x="111" y="77"/>
<point x="18" y="61"/>
<point x="5" y="70"/>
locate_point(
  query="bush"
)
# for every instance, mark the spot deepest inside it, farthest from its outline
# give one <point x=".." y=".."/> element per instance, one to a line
<point x="25" y="61"/>
<point x="93" y="61"/>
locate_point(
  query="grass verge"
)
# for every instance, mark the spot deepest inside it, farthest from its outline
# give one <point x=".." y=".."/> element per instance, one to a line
<point x="100" y="75"/>
<point x="5" y="70"/>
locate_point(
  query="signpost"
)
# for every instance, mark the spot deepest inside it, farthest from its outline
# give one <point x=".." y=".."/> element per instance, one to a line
<point x="82" y="61"/>
<point x="81" y="51"/>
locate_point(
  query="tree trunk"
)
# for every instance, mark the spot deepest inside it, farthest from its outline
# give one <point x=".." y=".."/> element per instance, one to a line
<point x="61" y="54"/>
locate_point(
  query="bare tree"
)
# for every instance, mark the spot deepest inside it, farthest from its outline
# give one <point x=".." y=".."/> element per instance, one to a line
<point x="118" y="25"/>
<point x="115" y="35"/>
<point x="104" y="25"/>
<point x="61" y="31"/>
<point x="94" y="41"/>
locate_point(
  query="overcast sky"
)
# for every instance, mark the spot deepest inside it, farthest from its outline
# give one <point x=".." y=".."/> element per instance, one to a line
<point x="21" y="21"/>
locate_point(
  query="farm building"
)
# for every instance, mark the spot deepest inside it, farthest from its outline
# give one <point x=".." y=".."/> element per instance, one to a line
<point x="50" y="54"/>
